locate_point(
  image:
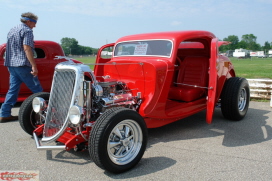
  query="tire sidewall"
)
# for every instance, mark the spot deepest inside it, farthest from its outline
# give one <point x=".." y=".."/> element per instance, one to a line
<point x="230" y="98"/>
<point x="243" y="85"/>
<point x="119" y="116"/>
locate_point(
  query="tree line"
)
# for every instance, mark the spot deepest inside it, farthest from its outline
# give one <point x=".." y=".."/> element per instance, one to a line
<point x="70" y="46"/>
<point x="247" y="42"/>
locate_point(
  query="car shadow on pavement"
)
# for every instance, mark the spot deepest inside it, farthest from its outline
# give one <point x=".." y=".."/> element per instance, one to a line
<point x="251" y="130"/>
<point x="154" y="164"/>
<point x="70" y="157"/>
<point x="145" y="167"/>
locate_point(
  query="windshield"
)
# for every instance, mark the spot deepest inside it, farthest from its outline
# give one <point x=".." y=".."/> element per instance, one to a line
<point x="144" y="48"/>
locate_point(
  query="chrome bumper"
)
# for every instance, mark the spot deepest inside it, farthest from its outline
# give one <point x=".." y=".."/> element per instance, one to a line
<point x="40" y="147"/>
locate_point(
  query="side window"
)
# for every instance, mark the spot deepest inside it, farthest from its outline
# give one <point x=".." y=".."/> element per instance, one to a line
<point x="106" y="53"/>
<point x="39" y="53"/>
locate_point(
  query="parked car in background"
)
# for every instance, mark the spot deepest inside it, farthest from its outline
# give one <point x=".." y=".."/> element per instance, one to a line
<point x="261" y="54"/>
<point x="45" y="57"/>
<point x="270" y="53"/>
<point x="149" y="81"/>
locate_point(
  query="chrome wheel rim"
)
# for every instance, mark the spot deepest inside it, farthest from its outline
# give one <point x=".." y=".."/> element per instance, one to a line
<point x="242" y="99"/>
<point x="36" y="119"/>
<point x="125" y="142"/>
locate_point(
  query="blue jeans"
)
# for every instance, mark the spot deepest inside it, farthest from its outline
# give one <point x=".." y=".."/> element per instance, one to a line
<point x="18" y="75"/>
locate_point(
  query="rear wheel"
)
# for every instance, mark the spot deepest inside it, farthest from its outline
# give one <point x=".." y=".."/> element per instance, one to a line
<point x="235" y="98"/>
<point x="118" y="140"/>
<point x="29" y="120"/>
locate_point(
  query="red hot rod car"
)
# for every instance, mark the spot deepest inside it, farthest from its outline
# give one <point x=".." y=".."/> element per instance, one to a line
<point x="149" y="81"/>
<point x="45" y="58"/>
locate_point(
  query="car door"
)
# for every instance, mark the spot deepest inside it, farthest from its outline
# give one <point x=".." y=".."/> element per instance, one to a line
<point x="212" y="80"/>
<point x="103" y="56"/>
<point x="43" y="62"/>
<point x="46" y="66"/>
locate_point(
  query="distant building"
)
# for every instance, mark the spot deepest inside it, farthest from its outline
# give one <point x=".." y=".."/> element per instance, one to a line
<point x="241" y="53"/>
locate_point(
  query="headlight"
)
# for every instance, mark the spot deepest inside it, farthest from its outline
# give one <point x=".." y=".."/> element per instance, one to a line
<point x="75" y="113"/>
<point x="38" y="104"/>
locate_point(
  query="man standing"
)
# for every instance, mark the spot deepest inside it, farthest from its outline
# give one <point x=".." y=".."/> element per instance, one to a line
<point x="20" y="63"/>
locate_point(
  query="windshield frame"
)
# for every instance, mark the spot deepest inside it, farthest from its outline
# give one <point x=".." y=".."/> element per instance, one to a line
<point x="141" y="40"/>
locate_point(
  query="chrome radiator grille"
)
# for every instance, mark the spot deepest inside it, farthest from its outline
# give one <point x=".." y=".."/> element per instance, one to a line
<point x="60" y="101"/>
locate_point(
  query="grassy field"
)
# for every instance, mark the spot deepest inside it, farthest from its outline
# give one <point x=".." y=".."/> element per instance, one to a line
<point x="253" y="68"/>
<point x="247" y="68"/>
<point x="86" y="60"/>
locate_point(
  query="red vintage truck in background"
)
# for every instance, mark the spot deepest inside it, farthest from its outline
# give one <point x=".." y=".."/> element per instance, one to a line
<point x="149" y="81"/>
<point x="45" y="57"/>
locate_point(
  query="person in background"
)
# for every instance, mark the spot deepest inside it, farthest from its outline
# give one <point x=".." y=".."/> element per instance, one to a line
<point x="20" y="63"/>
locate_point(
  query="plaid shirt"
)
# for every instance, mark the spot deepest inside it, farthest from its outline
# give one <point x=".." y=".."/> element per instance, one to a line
<point x="17" y="37"/>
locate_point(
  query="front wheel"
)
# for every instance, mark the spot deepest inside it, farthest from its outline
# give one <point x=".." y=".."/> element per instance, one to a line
<point x="235" y="98"/>
<point x="118" y="140"/>
<point x="29" y="120"/>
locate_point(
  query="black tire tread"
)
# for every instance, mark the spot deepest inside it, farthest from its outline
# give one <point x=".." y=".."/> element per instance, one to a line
<point x="97" y="130"/>
<point x="97" y="134"/>
<point x="229" y="98"/>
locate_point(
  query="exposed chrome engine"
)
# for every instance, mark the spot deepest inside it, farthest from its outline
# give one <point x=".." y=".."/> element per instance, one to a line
<point x="113" y="93"/>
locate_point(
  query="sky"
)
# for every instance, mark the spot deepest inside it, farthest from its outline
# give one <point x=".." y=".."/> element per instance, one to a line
<point x="97" y="22"/>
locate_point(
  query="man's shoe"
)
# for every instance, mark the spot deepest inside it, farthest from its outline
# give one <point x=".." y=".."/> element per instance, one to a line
<point x="6" y="119"/>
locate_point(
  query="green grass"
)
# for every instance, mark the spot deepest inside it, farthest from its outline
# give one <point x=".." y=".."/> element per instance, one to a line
<point x="90" y="59"/>
<point x="86" y="60"/>
<point x="247" y="68"/>
<point x="253" y="68"/>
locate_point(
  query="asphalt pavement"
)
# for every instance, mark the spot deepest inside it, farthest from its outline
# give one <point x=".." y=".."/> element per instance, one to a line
<point x="188" y="149"/>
